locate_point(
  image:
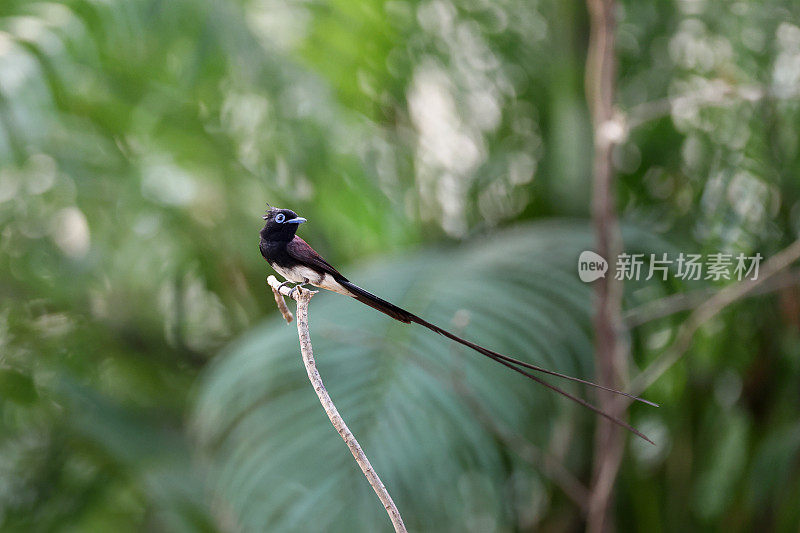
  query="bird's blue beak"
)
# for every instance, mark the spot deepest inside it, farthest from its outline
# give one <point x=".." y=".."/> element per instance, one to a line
<point x="298" y="220"/>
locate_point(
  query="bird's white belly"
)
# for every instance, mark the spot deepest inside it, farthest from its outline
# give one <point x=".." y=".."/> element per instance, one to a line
<point x="304" y="274"/>
<point x="299" y="274"/>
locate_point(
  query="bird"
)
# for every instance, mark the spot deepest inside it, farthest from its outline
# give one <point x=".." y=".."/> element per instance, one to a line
<point x="292" y="257"/>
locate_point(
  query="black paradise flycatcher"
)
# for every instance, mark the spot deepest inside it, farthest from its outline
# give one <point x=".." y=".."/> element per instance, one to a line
<point x="295" y="260"/>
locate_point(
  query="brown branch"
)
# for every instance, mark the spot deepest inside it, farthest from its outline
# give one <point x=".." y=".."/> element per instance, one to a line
<point x="717" y="94"/>
<point x="686" y="301"/>
<point x="610" y="347"/>
<point x="711" y="308"/>
<point x="303" y="297"/>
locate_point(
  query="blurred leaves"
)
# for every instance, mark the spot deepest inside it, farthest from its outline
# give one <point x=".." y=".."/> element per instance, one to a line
<point x="17" y="387"/>
<point x="140" y="140"/>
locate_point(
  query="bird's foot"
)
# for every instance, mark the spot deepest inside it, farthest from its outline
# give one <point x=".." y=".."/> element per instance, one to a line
<point x="298" y="286"/>
<point x="284" y="283"/>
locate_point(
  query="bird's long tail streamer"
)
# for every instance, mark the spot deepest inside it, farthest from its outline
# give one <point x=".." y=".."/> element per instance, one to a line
<point x="516" y="365"/>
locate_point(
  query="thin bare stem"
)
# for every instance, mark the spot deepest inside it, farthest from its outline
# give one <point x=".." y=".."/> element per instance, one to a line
<point x="676" y="303"/>
<point x="711" y="308"/>
<point x="610" y="346"/>
<point x="303" y="297"/>
<point x="717" y="94"/>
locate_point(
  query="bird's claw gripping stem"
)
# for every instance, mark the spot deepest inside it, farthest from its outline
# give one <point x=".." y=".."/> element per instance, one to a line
<point x="282" y="284"/>
<point x="298" y="286"/>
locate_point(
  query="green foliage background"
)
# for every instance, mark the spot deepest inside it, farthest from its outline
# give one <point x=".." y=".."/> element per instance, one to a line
<point x="148" y="384"/>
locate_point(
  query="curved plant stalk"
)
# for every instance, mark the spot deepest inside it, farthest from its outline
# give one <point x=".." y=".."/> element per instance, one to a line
<point x="303" y="296"/>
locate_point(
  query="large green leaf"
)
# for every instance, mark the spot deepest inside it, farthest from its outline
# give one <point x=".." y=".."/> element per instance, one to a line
<point x="276" y="462"/>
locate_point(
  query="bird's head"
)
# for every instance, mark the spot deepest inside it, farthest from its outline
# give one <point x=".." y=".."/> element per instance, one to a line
<point x="281" y="224"/>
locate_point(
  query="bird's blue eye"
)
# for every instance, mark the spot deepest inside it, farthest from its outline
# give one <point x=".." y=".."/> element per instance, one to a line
<point x="279" y="218"/>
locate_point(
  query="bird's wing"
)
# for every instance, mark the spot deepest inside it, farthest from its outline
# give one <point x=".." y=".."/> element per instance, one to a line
<point x="299" y="250"/>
